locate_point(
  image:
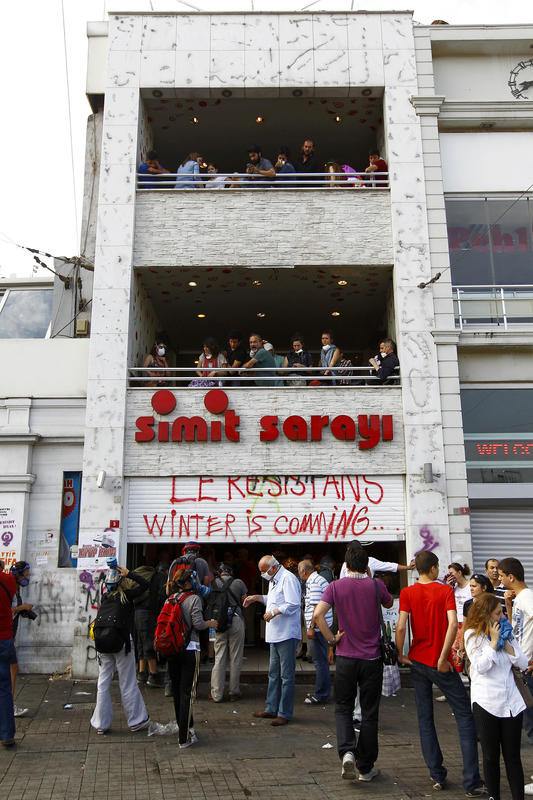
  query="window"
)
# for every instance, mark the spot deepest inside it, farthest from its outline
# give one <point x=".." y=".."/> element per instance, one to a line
<point x="498" y="432"/>
<point x="25" y="313"/>
<point x="490" y="240"/>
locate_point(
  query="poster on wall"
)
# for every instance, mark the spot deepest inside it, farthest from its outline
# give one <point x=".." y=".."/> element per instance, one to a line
<point x="263" y="508"/>
<point x="95" y="547"/>
<point x="11" y="516"/>
<point x="70" y="517"/>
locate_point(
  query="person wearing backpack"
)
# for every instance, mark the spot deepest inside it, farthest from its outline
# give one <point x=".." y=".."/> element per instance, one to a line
<point x="112" y="632"/>
<point x="146" y="611"/>
<point x="185" y="621"/>
<point x="226" y="598"/>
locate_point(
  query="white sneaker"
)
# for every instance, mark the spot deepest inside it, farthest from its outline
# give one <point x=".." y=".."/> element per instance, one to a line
<point x="348" y="767"/>
<point x="528" y="788"/>
<point x="19" y="712"/>
<point x="440" y="699"/>
<point x="369" y="776"/>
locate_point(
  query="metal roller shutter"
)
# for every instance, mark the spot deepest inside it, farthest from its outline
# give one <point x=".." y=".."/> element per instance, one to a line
<point x="502" y="532"/>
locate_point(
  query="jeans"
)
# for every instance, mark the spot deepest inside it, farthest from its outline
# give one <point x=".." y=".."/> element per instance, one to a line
<point x="367" y="675"/>
<point x="528" y="713"/>
<point x="183" y="670"/>
<point x="451" y="686"/>
<point x="505" y="733"/>
<point x="318" y="648"/>
<point x="7" y="720"/>
<point x="280" y="692"/>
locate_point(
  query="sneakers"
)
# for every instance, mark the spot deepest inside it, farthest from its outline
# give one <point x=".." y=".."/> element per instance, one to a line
<point x="369" y="776"/>
<point x="142" y="677"/>
<point x="528" y="788"/>
<point x="193" y="739"/>
<point x="311" y="700"/>
<point x="141" y="726"/>
<point x="348" y="767"/>
<point x="479" y="791"/>
<point x="154" y="681"/>
<point x="440" y="699"/>
<point x="438" y="786"/>
<point x="19" y="712"/>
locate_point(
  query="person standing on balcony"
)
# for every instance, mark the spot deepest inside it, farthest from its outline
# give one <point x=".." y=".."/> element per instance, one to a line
<point x="329" y="356"/>
<point x="269" y="347"/>
<point x="263" y="359"/>
<point x="296" y="358"/>
<point x="308" y="162"/>
<point x="189" y="172"/>
<point x="155" y="364"/>
<point x="284" y="169"/>
<point x="377" y="164"/>
<point x="236" y="354"/>
<point x="385" y="364"/>
<point x="259" y="168"/>
<point x="152" y="167"/>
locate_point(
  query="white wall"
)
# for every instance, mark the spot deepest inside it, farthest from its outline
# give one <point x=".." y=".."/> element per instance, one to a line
<point x="44" y="367"/>
<point x="479" y="77"/>
<point x="487" y="162"/>
<point x="492" y="364"/>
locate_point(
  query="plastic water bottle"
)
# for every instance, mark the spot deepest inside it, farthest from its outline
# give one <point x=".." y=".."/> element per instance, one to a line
<point x="212" y="635"/>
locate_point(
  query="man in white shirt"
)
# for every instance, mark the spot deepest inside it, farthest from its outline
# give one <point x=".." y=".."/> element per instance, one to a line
<point x="283" y="632"/>
<point x="315" y="586"/>
<point x="519" y="602"/>
<point x="375" y="565"/>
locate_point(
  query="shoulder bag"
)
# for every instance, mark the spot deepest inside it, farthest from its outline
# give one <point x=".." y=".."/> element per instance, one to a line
<point x="389" y="652"/>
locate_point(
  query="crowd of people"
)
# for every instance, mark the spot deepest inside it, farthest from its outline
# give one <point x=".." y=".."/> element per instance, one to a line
<point x="231" y="365"/>
<point x="194" y="172"/>
<point x="471" y="637"/>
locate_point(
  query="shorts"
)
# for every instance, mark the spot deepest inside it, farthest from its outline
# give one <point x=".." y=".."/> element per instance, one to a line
<point x="145" y="623"/>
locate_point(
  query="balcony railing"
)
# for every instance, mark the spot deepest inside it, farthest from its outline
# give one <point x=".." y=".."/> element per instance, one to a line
<point x="242" y="180"/>
<point x="493" y="306"/>
<point x="261" y="377"/>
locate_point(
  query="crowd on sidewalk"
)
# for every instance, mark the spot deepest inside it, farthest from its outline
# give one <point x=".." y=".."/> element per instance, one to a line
<point x="471" y="638"/>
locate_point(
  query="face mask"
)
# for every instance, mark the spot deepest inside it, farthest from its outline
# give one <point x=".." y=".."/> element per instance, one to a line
<point x="382" y="354"/>
<point x="266" y="576"/>
<point x="326" y="347"/>
<point x="298" y="352"/>
<point x="161" y="351"/>
<point x="24" y="582"/>
<point x="252" y="353"/>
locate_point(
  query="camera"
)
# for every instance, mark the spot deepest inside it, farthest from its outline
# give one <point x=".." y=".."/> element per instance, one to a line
<point x="28" y="614"/>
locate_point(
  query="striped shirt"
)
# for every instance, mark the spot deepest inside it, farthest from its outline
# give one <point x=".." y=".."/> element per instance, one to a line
<point x="314" y="589"/>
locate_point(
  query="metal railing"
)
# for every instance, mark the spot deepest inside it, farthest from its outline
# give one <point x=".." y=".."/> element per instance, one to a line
<point x="263" y="377"/>
<point x="494" y="306"/>
<point x="242" y="180"/>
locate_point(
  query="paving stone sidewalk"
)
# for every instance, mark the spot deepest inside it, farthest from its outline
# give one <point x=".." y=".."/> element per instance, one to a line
<point x="59" y="757"/>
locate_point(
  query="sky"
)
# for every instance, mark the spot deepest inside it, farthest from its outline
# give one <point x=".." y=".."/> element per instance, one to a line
<point x="41" y="90"/>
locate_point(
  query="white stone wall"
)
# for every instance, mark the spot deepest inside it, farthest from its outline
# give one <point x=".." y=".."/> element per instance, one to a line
<point x="220" y="228"/>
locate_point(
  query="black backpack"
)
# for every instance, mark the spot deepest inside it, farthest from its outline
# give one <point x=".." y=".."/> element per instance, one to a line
<point x="222" y="604"/>
<point x="112" y="626"/>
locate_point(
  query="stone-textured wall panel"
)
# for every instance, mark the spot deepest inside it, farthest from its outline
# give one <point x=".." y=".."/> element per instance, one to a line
<point x="170" y="227"/>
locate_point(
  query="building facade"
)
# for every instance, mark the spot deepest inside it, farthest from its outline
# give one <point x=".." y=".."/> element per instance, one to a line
<point x="436" y="256"/>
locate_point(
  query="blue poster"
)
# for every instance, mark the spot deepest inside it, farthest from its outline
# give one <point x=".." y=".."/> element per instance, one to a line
<point x="70" y="517"/>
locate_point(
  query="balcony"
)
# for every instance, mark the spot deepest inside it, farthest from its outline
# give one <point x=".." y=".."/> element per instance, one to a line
<point x="493" y="307"/>
<point x="341" y="219"/>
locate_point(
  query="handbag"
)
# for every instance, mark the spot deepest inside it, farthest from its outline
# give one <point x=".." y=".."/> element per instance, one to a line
<point x="389" y="651"/>
<point x="522" y="686"/>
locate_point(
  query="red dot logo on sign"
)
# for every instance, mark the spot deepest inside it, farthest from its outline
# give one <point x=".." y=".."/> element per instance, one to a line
<point x="216" y="401"/>
<point x="163" y="402"/>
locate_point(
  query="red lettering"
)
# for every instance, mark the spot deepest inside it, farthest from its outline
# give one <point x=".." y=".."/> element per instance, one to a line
<point x="214" y="525"/>
<point x="230" y="519"/>
<point x="355" y="491"/>
<point x="484" y="449"/>
<point x="380" y="491"/>
<point x="231" y="423"/>
<point x="270" y="430"/>
<point x="317" y="424"/>
<point x="310" y="521"/>
<point x="146" y="429"/>
<point x="294" y="524"/>
<point x="368" y="433"/>
<point x="343" y="525"/>
<point x="387" y="432"/>
<point x="480" y="242"/>
<point x="163" y="432"/>
<point x="363" y="519"/>
<point x="501" y="242"/>
<point x="343" y="427"/>
<point x="175" y="499"/>
<point x="189" y="429"/>
<point x="216" y="431"/>
<point x="196" y="518"/>
<point x="295" y="429"/>
<point x="276" y="524"/>
<point x="523" y="245"/>
<point x="276" y="484"/>
<point x="333" y="480"/>
<point x="253" y="482"/>
<point x="258" y="525"/>
<point x="201" y="497"/>
<point x="185" y="528"/>
<point x="155" y="524"/>
<point x="457" y="237"/>
<point x="298" y="483"/>
<point x="232" y="482"/>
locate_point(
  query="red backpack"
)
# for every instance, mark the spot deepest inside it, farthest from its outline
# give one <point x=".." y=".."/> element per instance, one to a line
<point x="172" y="635"/>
